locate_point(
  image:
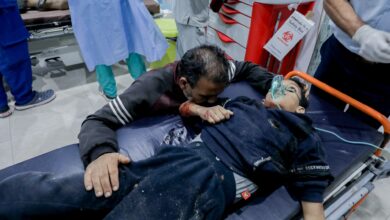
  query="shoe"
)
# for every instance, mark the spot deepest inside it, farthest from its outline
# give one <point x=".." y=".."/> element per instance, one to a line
<point x="7" y="112"/>
<point x="106" y="97"/>
<point x="40" y="98"/>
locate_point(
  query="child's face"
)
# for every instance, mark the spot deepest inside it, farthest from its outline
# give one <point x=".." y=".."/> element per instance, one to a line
<point x="288" y="102"/>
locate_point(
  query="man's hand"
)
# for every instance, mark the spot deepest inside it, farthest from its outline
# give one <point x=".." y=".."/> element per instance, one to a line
<point x="312" y="211"/>
<point x="102" y="174"/>
<point x="213" y="114"/>
<point x="374" y="44"/>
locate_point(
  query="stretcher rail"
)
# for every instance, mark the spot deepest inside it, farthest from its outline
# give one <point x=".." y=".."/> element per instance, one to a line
<point x="351" y="101"/>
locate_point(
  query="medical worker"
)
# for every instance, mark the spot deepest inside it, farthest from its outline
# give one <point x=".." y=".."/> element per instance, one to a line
<point x="15" y="64"/>
<point x="109" y="31"/>
<point x="356" y="58"/>
<point x="191" y="20"/>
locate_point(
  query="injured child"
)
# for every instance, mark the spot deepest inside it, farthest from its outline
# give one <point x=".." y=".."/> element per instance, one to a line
<point x="262" y="146"/>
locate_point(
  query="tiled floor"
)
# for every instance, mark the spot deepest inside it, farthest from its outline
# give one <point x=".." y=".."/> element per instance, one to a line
<point x="32" y="132"/>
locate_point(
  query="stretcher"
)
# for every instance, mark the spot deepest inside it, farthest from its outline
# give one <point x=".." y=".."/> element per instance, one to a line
<point x="354" y="166"/>
<point x="45" y="24"/>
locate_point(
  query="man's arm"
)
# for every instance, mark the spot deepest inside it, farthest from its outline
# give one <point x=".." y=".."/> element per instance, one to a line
<point x="343" y="15"/>
<point x="98" y="131"/>
<point x="312" y="211"/>
<point x="98" y="144"/>
<point x="374" y="43"/>
<point x="258" y="77"/>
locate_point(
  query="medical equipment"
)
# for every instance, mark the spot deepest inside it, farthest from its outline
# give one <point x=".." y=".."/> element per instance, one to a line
<point x="277" y="89"/>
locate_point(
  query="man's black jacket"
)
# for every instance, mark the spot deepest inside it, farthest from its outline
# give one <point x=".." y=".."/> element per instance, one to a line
<point x="154" y="93"/>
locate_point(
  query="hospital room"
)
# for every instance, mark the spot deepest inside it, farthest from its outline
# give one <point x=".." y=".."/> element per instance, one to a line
<point x="195" y="109"/>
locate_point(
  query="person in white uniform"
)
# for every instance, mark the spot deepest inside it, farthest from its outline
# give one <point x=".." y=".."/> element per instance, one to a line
<point x="191" y="20"/>
<point x="356" y="58"/>
<point x="109" y="31"/>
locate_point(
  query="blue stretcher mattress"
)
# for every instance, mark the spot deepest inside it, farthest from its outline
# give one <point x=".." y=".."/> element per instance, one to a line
<point x="342" y="157"/>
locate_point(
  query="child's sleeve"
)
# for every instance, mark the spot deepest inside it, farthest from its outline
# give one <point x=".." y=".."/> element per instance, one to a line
<point x="309" y="173"/>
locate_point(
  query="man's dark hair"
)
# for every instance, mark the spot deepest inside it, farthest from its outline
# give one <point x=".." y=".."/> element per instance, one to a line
<point x="204" y="61"/>
<point x="303" y="101"/>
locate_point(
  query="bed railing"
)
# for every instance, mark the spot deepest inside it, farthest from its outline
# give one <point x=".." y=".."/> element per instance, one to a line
<point x="349" y="100"/>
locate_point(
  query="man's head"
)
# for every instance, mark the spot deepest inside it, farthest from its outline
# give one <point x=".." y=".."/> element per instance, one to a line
<point x="203" y="73"/>
<point x="293" y="99"/>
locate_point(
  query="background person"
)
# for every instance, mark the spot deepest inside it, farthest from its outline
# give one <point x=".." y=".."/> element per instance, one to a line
<point x="15" y="63"/>
<point x="191" y="20"/>
<point x="110" y="31"/>
<point x="356" y="58"/>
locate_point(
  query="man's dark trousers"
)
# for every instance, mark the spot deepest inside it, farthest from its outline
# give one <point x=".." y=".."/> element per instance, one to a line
<point x="363" y="80"/>
<point x="178" y="182"/>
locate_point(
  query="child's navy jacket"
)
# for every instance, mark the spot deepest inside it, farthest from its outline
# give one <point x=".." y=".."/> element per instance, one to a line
<point x="271" y="147"/>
